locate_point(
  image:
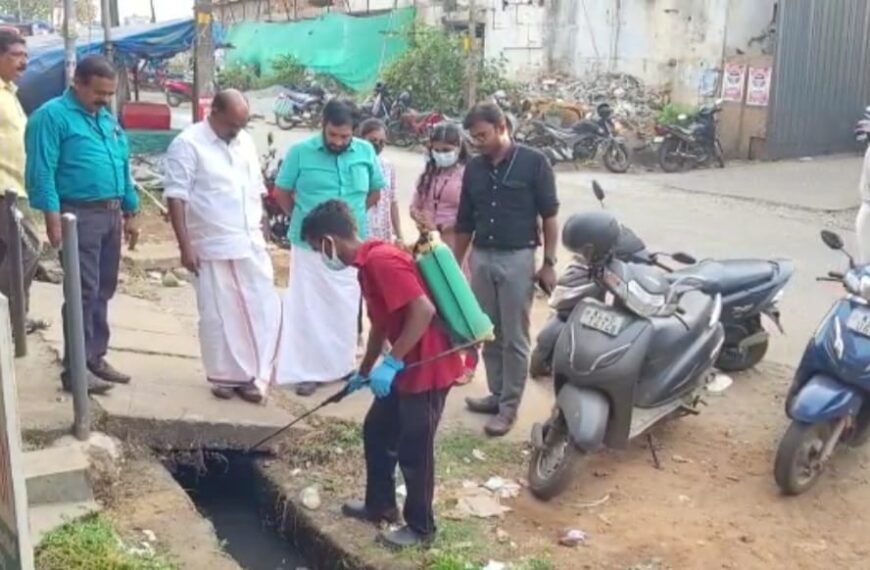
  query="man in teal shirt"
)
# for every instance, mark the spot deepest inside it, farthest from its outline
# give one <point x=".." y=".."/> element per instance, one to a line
<point x="78" y="161"/>
<point x="318" y="339"/>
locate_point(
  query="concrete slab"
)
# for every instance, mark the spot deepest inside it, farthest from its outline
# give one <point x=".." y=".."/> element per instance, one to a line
<point x="46" y="518"/>
<point x="57" y="475"/>
<point x="136" y="325"/>
<point x="43" y="407"/>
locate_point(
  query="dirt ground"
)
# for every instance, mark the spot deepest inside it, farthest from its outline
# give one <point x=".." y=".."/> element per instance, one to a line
<point x="713" y="504"/>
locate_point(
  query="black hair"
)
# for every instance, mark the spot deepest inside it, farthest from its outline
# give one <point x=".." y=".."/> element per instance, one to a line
<point x="485" y="113"/>
<point x="446" y="132"/>
<point x="371" y="125"/>
<point x="333" y="218"/>
<point x="10" y="37"/>
<point x="339" y="113"/>
<point x="94" y="66"/>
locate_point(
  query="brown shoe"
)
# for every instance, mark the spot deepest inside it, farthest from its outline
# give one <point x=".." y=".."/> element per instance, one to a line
<point x="487" y="405"/>
<point x="251" y="394"/>
<point x="500" y="424"/>
<point x="223" y="392"/>
<point x="306" y="389"/>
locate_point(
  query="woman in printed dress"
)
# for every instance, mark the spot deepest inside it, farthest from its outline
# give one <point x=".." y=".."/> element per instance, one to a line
<point x="436" y="200"/>
<point x="383" y="219"/>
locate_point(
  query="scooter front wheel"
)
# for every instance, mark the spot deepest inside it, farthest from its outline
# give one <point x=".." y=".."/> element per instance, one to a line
<point x="552" y="465"/>
<point x="799" y="464"/>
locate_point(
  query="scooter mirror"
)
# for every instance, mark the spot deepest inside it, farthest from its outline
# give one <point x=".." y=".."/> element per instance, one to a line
<point x="684" y="258"/>
<point x="832" y="240"/>
<point x="598" y="191"/>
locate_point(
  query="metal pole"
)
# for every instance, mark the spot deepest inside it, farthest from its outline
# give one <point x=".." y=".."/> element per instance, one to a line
<point x="69" y="40"/>
<point x="106" y="17"/>
<point x="15" y="265"/>
<point x="75" y="329"/>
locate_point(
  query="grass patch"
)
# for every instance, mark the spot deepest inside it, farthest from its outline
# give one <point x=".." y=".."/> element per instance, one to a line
<point x="92" y="544"/>
<point x="327" y="442"/>
<point x="456" y="452"/>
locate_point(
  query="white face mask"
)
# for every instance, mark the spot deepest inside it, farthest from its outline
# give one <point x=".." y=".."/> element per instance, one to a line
<point x="445" y="159"/>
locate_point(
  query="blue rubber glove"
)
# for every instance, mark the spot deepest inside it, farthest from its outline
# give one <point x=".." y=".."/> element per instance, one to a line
<point x="355" y="382"/>
<point x="381" y="378"/>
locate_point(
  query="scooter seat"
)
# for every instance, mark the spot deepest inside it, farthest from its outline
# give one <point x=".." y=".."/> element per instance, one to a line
<point x="731" y="275"/>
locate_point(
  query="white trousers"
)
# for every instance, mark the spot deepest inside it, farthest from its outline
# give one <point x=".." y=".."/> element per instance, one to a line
<point x="239" y="320"/>
<point x="862" y="231"/>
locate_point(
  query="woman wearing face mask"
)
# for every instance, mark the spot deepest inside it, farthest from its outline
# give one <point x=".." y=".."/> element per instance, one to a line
<point x="383" y="219"/>
<point x="436" y="201"/>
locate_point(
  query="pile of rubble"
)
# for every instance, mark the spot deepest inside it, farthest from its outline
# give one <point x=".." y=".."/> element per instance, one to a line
<point x="634" y="103"/>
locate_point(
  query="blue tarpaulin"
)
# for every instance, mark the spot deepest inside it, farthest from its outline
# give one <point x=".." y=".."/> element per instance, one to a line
<point x="44" y="77"/>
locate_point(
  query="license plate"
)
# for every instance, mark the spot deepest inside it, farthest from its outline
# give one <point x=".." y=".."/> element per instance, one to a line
<point x="659" y="140"/>
<point x="604" y="321"/>
<point x="859" y="321"/>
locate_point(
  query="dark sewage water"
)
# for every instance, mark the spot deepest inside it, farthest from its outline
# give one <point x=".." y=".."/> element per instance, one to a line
<point x="224" y="491"/>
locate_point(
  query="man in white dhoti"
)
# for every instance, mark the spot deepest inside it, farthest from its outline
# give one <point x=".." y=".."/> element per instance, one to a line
<point x="322" y="303"/>
<point x="215" y="189"/>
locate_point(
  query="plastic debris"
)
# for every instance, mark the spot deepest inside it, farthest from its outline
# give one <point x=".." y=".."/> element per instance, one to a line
<point x="573" y="537"/>
<point x="478" y="454"/>
<point x="719" y="384"/>
<point x="495" y="565"/>
<point x="149" y="535"/>
<point x="481" y="506"/>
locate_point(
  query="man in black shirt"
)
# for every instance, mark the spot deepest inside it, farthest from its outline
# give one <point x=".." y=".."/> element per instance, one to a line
<point x="506" y="190"/>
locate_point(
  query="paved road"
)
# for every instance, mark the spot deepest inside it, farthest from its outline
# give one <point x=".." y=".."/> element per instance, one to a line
<point x="744" y="210"/>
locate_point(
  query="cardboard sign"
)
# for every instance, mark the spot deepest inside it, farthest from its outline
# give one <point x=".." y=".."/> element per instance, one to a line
<point x="758" y="88"/>
<point x="733" y="82"/>
<point x="16" y="552"/>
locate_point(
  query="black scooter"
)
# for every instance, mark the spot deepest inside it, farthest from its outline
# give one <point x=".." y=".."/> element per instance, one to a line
<point x="621" y="367"/>
<point x="750" y="288"/>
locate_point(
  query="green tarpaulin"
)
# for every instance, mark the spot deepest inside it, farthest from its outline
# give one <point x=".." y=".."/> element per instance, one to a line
<point x="352" y="49"/>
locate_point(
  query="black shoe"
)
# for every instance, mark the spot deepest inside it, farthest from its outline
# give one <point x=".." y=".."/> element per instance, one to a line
<point x="357" y="510"/>
<point x="501" y="424"/>
<point x="404" y="538"/>
<point x="104" y="371"/>
<point x="95" y="385"/>
<point x="306" y="388"/>
<point x="487" y="405"/>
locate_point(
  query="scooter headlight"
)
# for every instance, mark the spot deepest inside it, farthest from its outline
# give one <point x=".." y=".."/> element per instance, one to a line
<point x="642" y="302"/>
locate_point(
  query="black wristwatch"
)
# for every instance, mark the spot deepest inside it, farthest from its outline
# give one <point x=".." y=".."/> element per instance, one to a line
<point x="550" y="261"/>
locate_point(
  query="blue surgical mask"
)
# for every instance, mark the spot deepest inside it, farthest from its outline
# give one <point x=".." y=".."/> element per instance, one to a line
<point x="332" y="261"/>
<point x="445" y="159"/>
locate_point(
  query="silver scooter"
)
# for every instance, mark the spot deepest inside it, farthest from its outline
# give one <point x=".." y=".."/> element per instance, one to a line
<point x="623" y="364"/>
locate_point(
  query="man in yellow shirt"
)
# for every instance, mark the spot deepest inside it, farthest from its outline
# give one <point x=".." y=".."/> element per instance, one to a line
<point x="13" y="62"/>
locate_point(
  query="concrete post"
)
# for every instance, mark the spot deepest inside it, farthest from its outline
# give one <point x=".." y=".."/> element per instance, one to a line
<point x="75" y="329"/>
<point x="15" y="264"/>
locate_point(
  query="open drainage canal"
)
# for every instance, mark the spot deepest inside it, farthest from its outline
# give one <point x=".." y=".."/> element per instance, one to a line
<point x="223" y="487"/>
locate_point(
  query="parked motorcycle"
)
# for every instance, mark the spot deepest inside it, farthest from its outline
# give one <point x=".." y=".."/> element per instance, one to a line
<point x="277" y="220"/>
<point x="380" y="105"/>
<point x="750" y="289"/>
<point x="178" y="91"/>
<point x="862" y="130"/>
<point x="623" y="366"/>
<point x="411" y="127"/>
<point x="293" y="107"/>
<point x="583" y="141"/>
<point x="696" y="144"/>
<point x="829" y="398"/>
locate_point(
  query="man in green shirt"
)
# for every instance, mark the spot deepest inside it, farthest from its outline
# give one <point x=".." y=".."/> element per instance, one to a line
<point x="78" y="161"/>
<point x="319" y="336"/>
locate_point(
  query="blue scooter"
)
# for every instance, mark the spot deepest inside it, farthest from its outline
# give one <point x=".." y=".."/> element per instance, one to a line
<point x="829" y="396"/>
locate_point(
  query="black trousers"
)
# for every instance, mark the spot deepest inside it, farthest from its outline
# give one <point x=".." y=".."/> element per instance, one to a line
<point x="401" y="429"/>
<point x="100" y="236"/>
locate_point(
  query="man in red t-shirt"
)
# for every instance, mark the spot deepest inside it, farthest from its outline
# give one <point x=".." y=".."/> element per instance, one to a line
<point x="401" y="424"/>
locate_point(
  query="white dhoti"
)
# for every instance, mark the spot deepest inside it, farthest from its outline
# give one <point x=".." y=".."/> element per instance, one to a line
<point x="318" y="342"/>
<point x="239" y="320"/>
